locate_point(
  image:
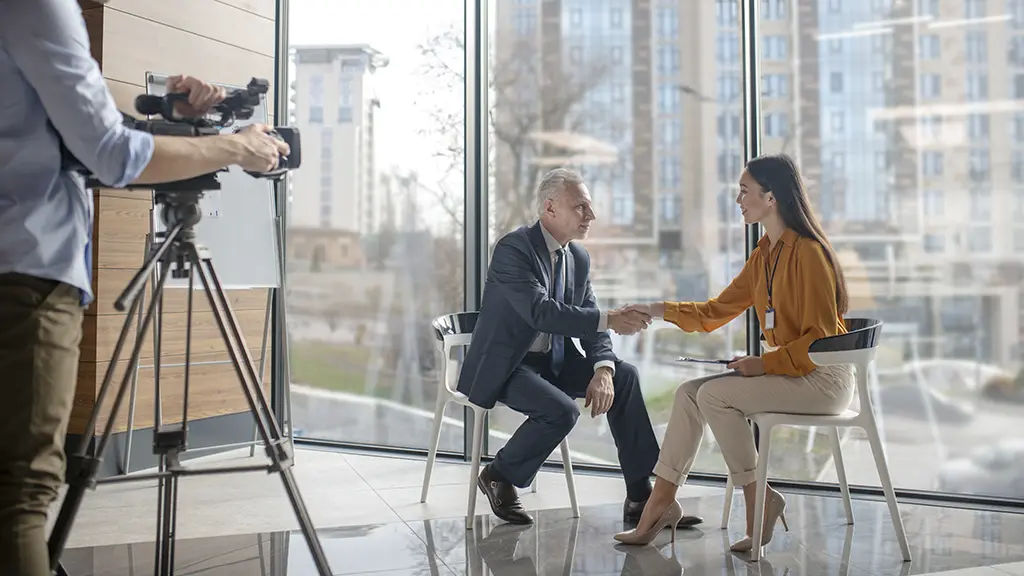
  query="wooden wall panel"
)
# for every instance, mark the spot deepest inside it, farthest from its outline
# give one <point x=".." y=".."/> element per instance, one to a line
<point x="206" y="18"/>
<point x="122" y="223"/>
<point x="109" y="284"/>
<point x="206" y="337"/>
<point x="226" y="41"/>
<point x="143" y="46"/>
<point x="214" y="389"/>
<point x="265" y="8"/>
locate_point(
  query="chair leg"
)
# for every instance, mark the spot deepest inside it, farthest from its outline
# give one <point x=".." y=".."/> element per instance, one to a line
<point x="570" y="481"/>
<point x="474" y="469"/>
<point x="435" y="439"/>
<point x="533" y="485"/>
<point x="727" y="504"/>
<point x="890" y="495"/>
<point x="763" y="452"/>
<point x="837" y="459"/>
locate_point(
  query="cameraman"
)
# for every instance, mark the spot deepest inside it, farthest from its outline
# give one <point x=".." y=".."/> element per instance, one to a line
<point x="52" y="89"/>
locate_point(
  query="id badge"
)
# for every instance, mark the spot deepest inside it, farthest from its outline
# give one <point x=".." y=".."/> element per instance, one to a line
<point x="769" y="319"/>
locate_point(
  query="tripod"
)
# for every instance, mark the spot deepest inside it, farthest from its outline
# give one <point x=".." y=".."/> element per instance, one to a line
<point x="176" y="246"/>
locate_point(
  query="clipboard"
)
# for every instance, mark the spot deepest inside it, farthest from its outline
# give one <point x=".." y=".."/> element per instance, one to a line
<point x="703" y="361"/>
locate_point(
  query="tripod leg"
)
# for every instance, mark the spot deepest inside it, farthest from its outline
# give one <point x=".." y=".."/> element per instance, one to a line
<point x="126" y="462"/>
<point x="168" y="518"/>
<point x="83" y="467"/>
<point x="263" y="363"/>
<point x="269" y="429"/>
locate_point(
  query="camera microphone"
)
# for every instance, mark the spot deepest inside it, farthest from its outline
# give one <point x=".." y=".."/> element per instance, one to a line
<point x="149" y="105"/>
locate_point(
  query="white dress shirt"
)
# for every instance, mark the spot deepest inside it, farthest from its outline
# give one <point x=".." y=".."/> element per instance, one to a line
<point x="542" y="344"/>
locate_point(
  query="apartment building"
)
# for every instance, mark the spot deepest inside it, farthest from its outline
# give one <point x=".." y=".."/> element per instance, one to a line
<point x="903" y="116"/>
<point x="334" y="104"/>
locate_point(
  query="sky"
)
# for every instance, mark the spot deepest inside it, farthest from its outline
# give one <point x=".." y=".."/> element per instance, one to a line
<point x="396" y="28"/>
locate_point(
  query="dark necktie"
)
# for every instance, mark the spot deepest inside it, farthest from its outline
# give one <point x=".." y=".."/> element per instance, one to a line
<point x="557" y="340"/>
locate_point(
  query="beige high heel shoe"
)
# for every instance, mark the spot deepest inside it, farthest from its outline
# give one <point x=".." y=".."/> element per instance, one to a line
<point x="774" y="511"/>
<point x="669" y="519"/>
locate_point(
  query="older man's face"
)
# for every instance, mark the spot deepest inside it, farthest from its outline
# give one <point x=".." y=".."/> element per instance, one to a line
<point x="572" y="212"/>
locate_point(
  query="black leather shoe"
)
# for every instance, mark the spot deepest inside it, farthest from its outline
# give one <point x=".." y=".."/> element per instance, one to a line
<point x="503" y="498"/>
<point x="631" y="512"/>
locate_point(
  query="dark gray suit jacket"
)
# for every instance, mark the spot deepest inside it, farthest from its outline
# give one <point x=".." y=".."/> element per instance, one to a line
<point x="517" y="306"/>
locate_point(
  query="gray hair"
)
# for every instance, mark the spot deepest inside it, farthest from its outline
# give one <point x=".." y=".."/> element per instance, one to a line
<point x="554" y="182"/>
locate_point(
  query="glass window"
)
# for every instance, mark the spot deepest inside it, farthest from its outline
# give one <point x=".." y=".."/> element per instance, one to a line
<point x="953" y="205"/>
<point x="977" y="47"/>
<point x="671" y="134"/>
<point x="838" y="123"/>
<point x="615" y="17"/>
<point x="668" y="59"/>
<point x="670" y="172"/>
<point x="928" y="189"/>
<point x="728" y="49"/>
<point x="981" y="203"/>
<point x="670" y="206"/>
<point x="931" y="85"/>
<point x="375" y="242"/>
<point x="934" y="243"/>
<point x="934" y="203"/>
<point x="930" y="46"/>
<point x="633" y="194"/>
<point x="726" y="13"/>
<point x="668" y="23"/>
<point x="977" y="86"/>
<point x="933" y="163"/>
<point x="974" y="9"/>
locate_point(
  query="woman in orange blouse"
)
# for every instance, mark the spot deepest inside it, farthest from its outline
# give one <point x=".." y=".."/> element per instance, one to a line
<point x="796" y="286"/>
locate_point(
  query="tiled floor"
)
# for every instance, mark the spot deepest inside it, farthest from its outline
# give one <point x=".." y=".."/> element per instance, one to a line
<point x="370" y="521"/>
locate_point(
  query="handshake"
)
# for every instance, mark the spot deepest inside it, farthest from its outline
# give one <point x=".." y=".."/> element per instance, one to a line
<point x="632" y="319"/>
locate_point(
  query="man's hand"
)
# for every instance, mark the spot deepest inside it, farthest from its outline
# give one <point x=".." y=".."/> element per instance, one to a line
<point x="747" y="365"/>
<point x="600" y="392"/>
<point x="202" y="96"/>
<point x="260" y="152"/>
<point x="627" y="322"/>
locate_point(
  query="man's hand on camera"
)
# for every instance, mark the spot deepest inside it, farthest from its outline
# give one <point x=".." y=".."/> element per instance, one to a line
<point x="202" y="96"/>
<point x="260" y="152"/>
<point x="627" y="322"/>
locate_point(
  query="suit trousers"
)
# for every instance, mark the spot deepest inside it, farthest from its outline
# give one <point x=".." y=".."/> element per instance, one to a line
<point x="40" y="329"/>
<point x="549" y="404"/>
<point x="724" y="401"/>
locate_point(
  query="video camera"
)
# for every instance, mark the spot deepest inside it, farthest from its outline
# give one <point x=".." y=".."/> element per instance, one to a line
<point x="238" y="104"/>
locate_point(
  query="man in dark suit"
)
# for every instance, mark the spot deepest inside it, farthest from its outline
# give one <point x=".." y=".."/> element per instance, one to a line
<point x="537" y="297"/>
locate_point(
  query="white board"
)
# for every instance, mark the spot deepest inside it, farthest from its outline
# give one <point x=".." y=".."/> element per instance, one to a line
<point x="239" y="225"/>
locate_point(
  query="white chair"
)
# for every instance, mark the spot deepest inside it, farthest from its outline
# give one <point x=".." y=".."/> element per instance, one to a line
<point x="857" y="347"/>
<point x="453" y="331"/>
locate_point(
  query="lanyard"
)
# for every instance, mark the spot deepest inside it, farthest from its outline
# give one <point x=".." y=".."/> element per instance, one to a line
<point x="771" y="279"/>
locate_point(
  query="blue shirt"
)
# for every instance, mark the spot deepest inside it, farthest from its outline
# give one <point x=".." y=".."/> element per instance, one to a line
<point x="47" y="74"/>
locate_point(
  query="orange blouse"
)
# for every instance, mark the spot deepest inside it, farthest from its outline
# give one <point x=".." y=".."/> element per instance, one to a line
<point x="803" y="296"/>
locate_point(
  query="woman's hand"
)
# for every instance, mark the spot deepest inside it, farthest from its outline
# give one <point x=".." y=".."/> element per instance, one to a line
<point x="747" y="365"/>
<point x="654" y="309"/>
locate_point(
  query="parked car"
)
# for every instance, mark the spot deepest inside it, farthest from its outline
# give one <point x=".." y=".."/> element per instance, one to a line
<point x="993" y="470"/>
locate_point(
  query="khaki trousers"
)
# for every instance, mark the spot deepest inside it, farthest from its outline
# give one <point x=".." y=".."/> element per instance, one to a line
<point x="40" y="329"/>
<point x="724" y="401"/>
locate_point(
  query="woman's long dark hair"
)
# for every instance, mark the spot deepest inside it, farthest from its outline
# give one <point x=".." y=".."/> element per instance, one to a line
<point x="778" y="174"/>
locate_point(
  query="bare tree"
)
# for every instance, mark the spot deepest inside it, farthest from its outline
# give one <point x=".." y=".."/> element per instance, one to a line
<point x="531" y="94"/>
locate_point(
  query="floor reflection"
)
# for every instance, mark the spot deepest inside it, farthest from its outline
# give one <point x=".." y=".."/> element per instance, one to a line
<point x="820" y="544"/>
